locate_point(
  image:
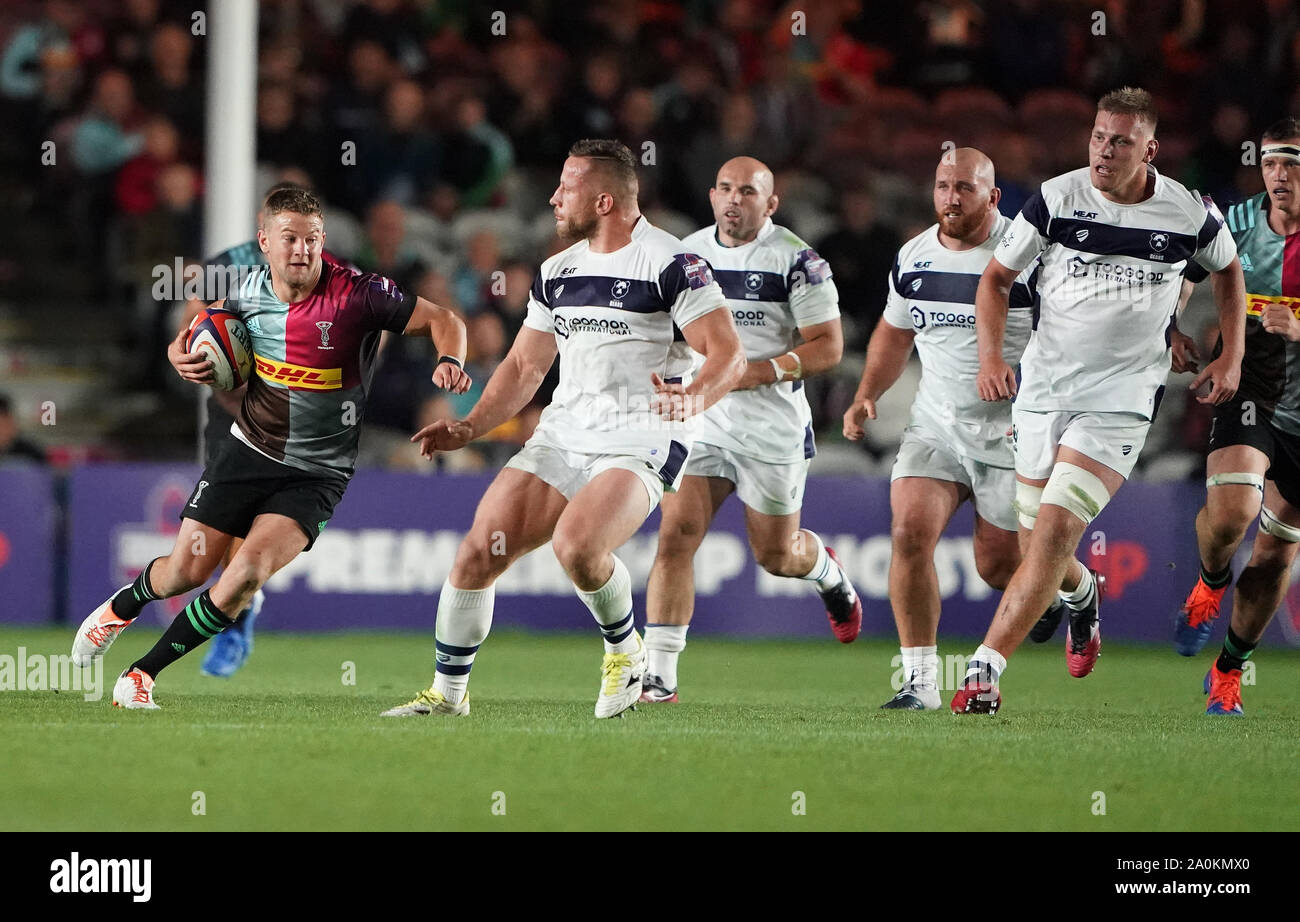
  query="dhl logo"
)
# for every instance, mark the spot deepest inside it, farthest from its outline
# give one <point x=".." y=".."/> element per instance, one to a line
<point x="299" y="376"/>
<point x="1257" y="304"/>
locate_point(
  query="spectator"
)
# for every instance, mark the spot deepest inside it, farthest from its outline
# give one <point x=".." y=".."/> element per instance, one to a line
<point x="401" y="162"/>
<point x="22" y="60"/>
<point x="472" y="280"/>
<point x="355" y="110"/>
<point x="511" y="305"/>
<point x="387" y="250"/>
<point x="860" y="253"/>
<point x="137" y="182"/>
<point x="13" y="447"/>
<point x="170" y="85"/>
<point x="1013" y="164"/>
<point x="107" y="134"/>
<point x="478" y="154"/>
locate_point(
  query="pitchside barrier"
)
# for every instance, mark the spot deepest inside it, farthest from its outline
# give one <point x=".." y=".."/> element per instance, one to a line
<point x="382" y="559"/>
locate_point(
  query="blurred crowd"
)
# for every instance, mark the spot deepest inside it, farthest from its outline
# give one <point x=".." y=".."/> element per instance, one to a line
<point x="458" y="119"/>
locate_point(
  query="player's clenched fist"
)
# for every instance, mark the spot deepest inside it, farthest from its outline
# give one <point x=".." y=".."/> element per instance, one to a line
<point x="861" y="411"/>
<point x="452" y="377"/>
<point x="1224" y="374"/>
<point x="996" y="381"/>
<point x="1277" y="318"/>
<point x="671" y="401"/>
<point x="444" y="435"/>
<point x="192" y="366"/>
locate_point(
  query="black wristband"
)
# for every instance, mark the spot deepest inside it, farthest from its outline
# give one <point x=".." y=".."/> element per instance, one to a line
<point x="450" y="360"/>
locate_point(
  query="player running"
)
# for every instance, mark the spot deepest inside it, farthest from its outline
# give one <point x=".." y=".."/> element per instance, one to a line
<point x="955" y="447"/>
<point x="757" y="440"/>
<point x="231" y="648"/>
<point x="1256" y="435"/>
<point x="1113" y="239"/>
<point x="620" y="307"/>
<point x="276" y="482"/>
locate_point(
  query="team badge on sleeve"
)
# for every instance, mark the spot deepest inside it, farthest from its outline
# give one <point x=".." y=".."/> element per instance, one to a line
<point x="697" y="271"/>
<point x="1213" y="209"/>
<point x="815" y="269"/>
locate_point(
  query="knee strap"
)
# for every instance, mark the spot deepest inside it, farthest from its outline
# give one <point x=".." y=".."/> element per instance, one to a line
<point x="1026" y="504"/>
<point x="1272" y="525"/>
<point x="1079" y="491"/>
<point x="1251" y="480"/>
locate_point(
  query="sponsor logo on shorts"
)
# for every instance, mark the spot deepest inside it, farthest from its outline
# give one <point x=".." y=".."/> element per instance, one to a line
<point x="1126" y="450"/>
<point x="299" y="377"/>
<point x="198" y="491"/>
<point x="1257" y="304"/>
<point x="570" y="326"/>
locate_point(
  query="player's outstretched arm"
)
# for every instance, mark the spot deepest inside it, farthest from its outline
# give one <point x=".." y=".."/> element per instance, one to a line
<point x="1224" y="373"/>
<point x="713" y="335"/>
<point x="448" y="333"/>
<point x="996" y="379"/>
<point x="887" y="355"/>
<point x="508" y="391"/>
<point x="821" y="350"/>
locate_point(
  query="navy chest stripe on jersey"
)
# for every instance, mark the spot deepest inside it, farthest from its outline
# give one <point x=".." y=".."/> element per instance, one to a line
<point x="953" y="287"/>
<point x="739" y="285"/>
<point x="1109" y="240"/>
<point x="636" y="295"/>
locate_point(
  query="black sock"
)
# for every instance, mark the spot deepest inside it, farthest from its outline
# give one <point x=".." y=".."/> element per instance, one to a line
<point x="1235" y="652"/>
<point x="128" y="603"/>
<point x="199" y="621"/>
<point x="1216" y="580"/>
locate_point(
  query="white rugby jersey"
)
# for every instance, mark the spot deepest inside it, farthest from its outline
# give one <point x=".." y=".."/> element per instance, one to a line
<point x="774" y="285"/>
<point x="932" y="293"/>
<point x="617" y="317"/>
<point x="1108" y="288"/>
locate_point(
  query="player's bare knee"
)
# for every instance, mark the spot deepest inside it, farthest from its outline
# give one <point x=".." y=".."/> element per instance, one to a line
<point x="995" y="569"/>
<point x="679" y="543"/>
<point x="1229" y="528"/>
<point x="581" y="559"/>
<point x="245" y="575"/>
<point x="778" y="560"/>
<point x="911" y="539"/>
<point x="480" y="560"/>
<point x="181" y="573"/>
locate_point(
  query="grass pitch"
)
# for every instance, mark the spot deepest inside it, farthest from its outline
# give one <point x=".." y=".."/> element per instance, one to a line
<point x="764" y="729"/>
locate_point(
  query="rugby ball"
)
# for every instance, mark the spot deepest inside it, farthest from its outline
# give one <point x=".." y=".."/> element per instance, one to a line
<point x="222" y="337"/>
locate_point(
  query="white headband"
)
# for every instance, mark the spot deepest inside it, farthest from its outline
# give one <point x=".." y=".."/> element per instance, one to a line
<point x="1286" y="151"/>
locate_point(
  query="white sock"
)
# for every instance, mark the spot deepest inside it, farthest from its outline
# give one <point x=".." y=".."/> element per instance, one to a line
<point x="663" y="643"/>
<point x="824" y="572"/>
<point x="921" y="666"/>
<point x="464" y="619"/>
<point x="611" y="606"/>
<point x="1082" y="594"/>
<point x="986" y="665"/>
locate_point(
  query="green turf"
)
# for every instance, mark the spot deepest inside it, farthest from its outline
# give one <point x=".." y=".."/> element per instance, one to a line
<point x="287" y="745"/>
